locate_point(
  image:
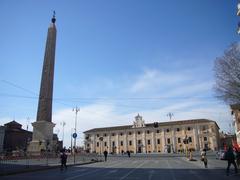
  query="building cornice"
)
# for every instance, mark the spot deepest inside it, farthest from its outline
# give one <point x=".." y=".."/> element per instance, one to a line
<point x="151" y="125"/>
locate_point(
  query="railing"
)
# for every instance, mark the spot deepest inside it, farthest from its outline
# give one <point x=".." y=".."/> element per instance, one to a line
<point x="9" y="164"/>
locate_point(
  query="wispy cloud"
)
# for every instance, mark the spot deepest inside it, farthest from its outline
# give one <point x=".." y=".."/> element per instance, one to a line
<point x="152" y="79"/>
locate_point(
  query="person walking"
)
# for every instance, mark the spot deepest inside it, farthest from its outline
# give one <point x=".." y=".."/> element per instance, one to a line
<point x="204" y="158"/>
<point x="105" y="155"/>
<point x="128" y="153"/>
<point x="230" y="157"/>
<point x="63" y="158"/>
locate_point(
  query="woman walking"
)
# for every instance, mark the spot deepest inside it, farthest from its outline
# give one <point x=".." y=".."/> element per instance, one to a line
<point x="204" y="157"/>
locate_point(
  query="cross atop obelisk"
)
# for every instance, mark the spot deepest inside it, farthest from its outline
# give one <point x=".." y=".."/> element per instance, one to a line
<point x="43" y="127"/>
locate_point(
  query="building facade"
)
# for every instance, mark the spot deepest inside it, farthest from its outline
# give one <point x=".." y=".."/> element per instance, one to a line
<point x="15" y="137"/>
<point x="2" y="135"/>
<point x="158" y="137"/>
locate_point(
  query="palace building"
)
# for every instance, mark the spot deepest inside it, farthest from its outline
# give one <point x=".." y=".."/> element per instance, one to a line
<point x="157" y="137"/>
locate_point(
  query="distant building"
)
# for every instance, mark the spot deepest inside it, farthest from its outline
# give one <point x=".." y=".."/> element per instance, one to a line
<point x="16" y="138"/>
<point x="226" y="140"/>
<point x="236" y="116"/>
<point x="159" y="137"/>
<point x="2" y="134"/>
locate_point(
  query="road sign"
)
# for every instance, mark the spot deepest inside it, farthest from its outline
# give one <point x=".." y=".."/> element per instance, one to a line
<point x="74" y="135"/>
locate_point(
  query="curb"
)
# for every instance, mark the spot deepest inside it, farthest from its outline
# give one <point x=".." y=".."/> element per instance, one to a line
<point x="27" y="170"/>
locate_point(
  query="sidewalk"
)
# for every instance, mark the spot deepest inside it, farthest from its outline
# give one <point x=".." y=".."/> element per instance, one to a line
<point x="9" y="167"/>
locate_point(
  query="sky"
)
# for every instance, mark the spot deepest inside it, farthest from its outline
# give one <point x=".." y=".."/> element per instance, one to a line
<point x="115" y="59"/>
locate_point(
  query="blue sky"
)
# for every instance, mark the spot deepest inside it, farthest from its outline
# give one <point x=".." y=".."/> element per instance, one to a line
<point x="115" y="59"/>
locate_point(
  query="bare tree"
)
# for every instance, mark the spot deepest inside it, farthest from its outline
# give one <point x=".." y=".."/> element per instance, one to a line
<point x="227" y="74"/>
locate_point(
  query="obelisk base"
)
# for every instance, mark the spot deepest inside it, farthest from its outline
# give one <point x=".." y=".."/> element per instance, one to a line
<point x="42" y="139"/>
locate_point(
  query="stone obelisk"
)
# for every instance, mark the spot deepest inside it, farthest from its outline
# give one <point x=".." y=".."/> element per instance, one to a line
<point x="43" y="128"/>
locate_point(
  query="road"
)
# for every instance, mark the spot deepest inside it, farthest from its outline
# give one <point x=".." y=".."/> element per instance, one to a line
<point x="137" y="167"/>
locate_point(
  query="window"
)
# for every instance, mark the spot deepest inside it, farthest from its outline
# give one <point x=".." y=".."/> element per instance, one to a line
<point x="105" y="143"/>
<point x="188" y="128"/>
<point x="121" y="143"/>
<point x="158" y="131"/>
<point x="139" y="141"/>
<point x="105" y="135"/>
<point x="130" y="133"/>
<point x="179" y="140"/>
<point x="158" y="141"/>
<point x="121" y="134"/>
<point x="139" y="132"/>
<point x="88" y="145"/>
<point x="97" y="144"/>
<point x="97" y="135"/>
<point x="168" y="140"/>
<point x="149" y="141"/>
<point x="178" y="129"/>
<point x="148" y="131"/>
<point x="167" y="130"/>
<point x="113" y="134"/>
<point x="190" y="139"/>
<point x="130" y="143"/>
<point x="205" y="138"/>
<point x="113" y="143"/>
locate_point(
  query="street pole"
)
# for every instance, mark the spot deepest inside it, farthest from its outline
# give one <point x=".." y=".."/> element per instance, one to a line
<point x="71" y="141"/>
<point x="63" y="124"/>
<point x="76" y="110"/>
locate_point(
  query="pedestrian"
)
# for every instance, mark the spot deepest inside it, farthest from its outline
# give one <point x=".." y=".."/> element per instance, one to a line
<point x="230" y="157"/>
<point x="63" y="158"/>
<point x="204" y="158"/>
<point x="128" y="153"/>
<point x="105" y="155"/>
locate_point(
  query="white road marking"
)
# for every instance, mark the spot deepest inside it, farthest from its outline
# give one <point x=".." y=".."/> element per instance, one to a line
<point x="195" y="174"/>
<point x="150" y="174"/>
<point x="126" y="175"/>
<point x="80" y="170"/>
<point x="171" y="171"/>
<point x="111" y="172"/>
<point x="74" y="177"/>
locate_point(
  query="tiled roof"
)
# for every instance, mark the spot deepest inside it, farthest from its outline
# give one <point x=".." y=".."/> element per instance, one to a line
<point x="169" y="123"/>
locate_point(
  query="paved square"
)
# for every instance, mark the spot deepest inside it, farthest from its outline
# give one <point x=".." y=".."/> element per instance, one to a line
<point x="143" y="167"/>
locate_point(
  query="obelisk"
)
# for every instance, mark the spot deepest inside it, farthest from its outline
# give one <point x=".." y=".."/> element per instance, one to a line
<point x="43" y="127"/>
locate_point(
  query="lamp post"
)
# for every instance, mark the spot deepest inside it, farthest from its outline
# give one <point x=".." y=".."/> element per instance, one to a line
<point x="63" y="124"/>
<point x="71" y="140"/>
<point x="76" y="110"/>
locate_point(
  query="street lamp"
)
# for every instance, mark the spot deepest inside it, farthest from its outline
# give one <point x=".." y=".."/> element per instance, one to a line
<point x="76" y="110"/>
